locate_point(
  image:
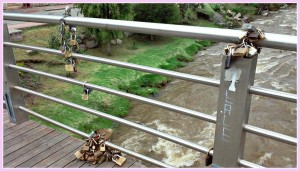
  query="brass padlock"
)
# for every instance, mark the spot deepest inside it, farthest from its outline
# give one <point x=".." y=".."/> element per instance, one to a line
<point x="208" y="158"/>
<point x="78" y="154"/>
<point x="261" y="34"/>
<point x="119" y="160"/>
<point x="68" y="54"/>
<point x="98" y="153"/>
<point x="69" y="67"/>
<point x="73" y="42"/>
<point x="101" y="160"/>
<point x="85" y="148"/>
<point x="102" y="147"/>
<point x="85" y="96"/>
<point x="240" y="52"/>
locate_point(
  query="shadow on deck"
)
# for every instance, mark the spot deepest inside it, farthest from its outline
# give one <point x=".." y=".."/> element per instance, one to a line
<point x="30" y="145"/>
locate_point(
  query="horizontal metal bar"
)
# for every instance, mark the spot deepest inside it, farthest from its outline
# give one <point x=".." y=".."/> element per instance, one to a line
<point x="270" y="134"/>
<point x="277" y="41"/>
<point x="119" y="120"/>
<point x="273" y="94"/>
<point x="171" y="107"/>
<point x="183" y="76"/>
<point x="85" y="135"/>
<point x="249" y="164"/>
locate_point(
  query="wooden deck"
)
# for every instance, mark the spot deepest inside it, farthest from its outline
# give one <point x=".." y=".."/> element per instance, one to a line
<point x="31" y="145"/>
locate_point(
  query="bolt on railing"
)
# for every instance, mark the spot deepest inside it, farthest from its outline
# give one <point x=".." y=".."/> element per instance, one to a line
<point x="231" y="118"/>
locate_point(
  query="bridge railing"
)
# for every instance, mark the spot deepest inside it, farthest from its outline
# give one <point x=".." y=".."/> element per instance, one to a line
<point x="230" y="129"/>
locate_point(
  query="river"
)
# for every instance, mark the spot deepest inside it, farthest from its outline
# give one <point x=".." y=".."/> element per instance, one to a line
<point x="276" y="70"/>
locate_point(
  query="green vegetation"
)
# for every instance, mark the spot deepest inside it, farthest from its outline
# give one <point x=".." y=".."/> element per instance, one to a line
<point x="164" y="52"/>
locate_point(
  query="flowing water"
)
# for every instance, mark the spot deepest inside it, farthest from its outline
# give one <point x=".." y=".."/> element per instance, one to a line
<point x="276" y="69"/>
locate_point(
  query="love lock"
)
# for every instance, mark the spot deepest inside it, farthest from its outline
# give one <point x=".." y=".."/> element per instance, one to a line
<point x="208" y="158"/>
<point x="119" y="160"/>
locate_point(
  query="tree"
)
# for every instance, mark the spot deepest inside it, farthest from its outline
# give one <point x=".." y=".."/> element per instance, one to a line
<point x="107" y="11"/>
<point x="157" y="13"/>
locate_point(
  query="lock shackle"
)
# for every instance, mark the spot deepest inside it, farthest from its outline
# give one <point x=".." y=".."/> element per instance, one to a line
<point x="210" y="150"/>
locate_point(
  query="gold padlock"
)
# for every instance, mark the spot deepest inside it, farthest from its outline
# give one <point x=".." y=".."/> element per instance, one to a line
<point x="119" y="160"/>
<point x="78" y="154"/>
<point x="85" y="96"/>
<point x="68" y="54"/>
<point x="102" y="147"/>
<point x="73" y="42"/>
<point x="85" y="148"/>
<point x="240" y="52"/>
<point x="69" y="67"/>
<point x="98" y="153"/>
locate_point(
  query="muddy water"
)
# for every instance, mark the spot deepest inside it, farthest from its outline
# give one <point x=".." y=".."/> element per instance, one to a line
<point x="276" y="69"/>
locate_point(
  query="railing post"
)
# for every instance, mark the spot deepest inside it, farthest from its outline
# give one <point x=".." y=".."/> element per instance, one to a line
<point x="13" y="98"/>
<point x="233" y="111"/>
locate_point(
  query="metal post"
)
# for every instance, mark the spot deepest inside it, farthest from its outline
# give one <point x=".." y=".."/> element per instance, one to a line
<point x="233" y="111"/>
<point x="13" y="98"/>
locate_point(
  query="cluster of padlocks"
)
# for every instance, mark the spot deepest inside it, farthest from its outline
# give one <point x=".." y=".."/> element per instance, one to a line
<point x="95" y="151"/>
<point x="248" y="46"/>
<point x="69" y="45"/>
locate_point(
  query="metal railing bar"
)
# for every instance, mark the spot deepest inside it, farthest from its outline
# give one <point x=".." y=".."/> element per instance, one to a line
<point x="273" y="94"/>
<point x="178" y="75"/>
<point x="119" y="120"/>
<point x="171" y="107"/>
<point x="85" y="135"/>
<point x="278" y="41"/>
<point x="249" y="164"/>
<point x="270" y="134"/>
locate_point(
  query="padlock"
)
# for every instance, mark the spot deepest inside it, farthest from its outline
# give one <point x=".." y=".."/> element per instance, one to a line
<point x="261" y="34"/>
<point x="69" y="67"/>
<point x="85" y="148"/>
<point x="240" y="52"/>
<point x="252" y="51"/>
<point x="73" y="42"/>
<point x="102" y="147"/>
<point x="98" y="153"/>
<point x="78" y="154"/>
<point x="208" y="158"/>
<point x="85" y="96"/>
<point x="68" y="53"/>
<point x="101" y="160"/>
<point x="253" y="35"/>
<point x="119" y="160"/>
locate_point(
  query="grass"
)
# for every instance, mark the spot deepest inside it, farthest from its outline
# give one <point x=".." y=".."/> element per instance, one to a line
<point x="167" y="53"/>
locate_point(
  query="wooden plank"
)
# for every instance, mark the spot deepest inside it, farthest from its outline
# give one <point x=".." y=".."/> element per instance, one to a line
<point x="68" y="158"/>
<point x="59" y="155"/>
<point x="36" y="151"/>
<point x="128" y="162"/>
<point x="106" y="165"/>
<point x="89" y="165"/>
<point x="27" y="141"/>
<point x="20" y="131"/>
<point x="47" y="152"/>
<point x="24" y="136"/>
<point x="17" y="127"/>
<point x="137" y="165"/>
<point x="30" y="146"/>
<point x="75" y="163"/>
<point x="7" y="126"/>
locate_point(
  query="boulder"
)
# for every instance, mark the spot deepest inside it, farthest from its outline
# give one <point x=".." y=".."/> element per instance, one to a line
<point x="81" y="36"/>
<point x="113" y="42"/>
<point x="15" y="35"/>
<point x="119" y="41"/>
<point x="128" y="34"/>
<point x="79" y="41"/>
<point x="82" y="47"/>
<point x="218" y="18"/>
<point x="91" y="44"/>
